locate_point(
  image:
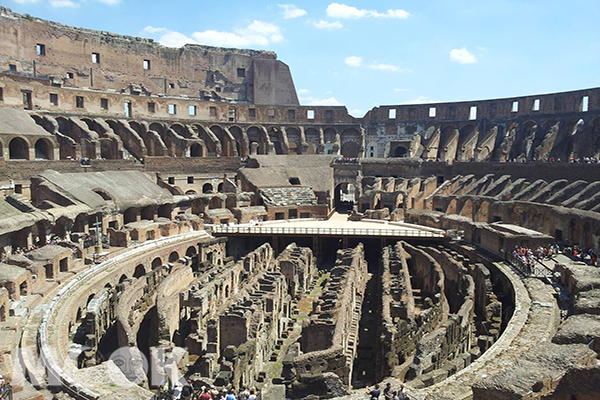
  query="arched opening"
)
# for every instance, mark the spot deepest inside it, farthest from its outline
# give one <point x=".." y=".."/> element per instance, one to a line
<point x="220" y="187"/>
<point x="207" y="188"/>
<point x="313" y="140"/>
<point x="123" y="278"/>
<point x="239" y="144"/>
<point x="157" y="262"/>
<point x="400" y="151"/>
<point x="452" y="207"/>
<point x="43" y="150"/>
<point x="165" y="211"/>
<point x="191" y="251"/>
<point x="130" y="215"/>
<point x="196" y="150"/>
<point x="148" y="213"/>
<point x="190" y="192"/>
<point x="256" y="138"/>
<point x="174" y="256"/>
<point x="140" y="271"/>
<point x="344" y="197"/>
<point x="18" y="149"/>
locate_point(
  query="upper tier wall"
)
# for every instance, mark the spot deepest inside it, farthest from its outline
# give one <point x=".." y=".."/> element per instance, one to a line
<point x="83" y="58"/>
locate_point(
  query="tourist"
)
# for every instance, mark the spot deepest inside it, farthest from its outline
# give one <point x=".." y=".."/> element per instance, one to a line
<point x="402" y="393"/>
<point x="177" y="391"/>
<point x="205" y="394"/>
<point x="231" y="395"/>
<point x="374" y="393"/>
<point x="244" y="393"/>
<point x="387" y="392"/>
<point x="253" y="394"/>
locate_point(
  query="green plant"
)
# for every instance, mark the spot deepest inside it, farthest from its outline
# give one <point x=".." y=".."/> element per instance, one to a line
<point x="28" y="17"/>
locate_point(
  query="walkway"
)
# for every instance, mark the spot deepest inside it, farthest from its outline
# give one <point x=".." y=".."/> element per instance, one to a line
<point x="336" y="225"/>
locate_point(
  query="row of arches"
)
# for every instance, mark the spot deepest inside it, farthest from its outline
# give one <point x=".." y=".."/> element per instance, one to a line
<point x="29" y="148"/>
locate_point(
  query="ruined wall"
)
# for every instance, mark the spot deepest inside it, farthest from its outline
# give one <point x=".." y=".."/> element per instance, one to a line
<point x="329" y="338"/>
<point x="76" y="57"/>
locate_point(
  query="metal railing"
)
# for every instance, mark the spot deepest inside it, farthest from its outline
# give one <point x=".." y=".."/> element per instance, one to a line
<point x="280" y="230"/>
<point x="533" y="270"/>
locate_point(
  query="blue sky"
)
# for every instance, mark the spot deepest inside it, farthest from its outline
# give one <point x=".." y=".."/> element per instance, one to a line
<point x="362" y="54"/>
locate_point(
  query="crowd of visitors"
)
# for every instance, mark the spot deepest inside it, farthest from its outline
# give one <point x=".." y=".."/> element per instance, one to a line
<point x="180" y="391"/>
<point x="346" y="160"/>
<point x="388" y="392"/>
<point x="529" y="257"/>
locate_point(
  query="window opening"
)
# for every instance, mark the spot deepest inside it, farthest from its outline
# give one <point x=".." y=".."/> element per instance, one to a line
<point x="96" y="58"/>
<point x="172" y="109"/>
<point x="54" y="99"/>
<point x="146" y="64"/>
<point x="79" y="103"/>
<point x="432" y="112"/>
<point x="310" y="114"/>
<point x="585" y="102"/>
<point x="104" y="104"/>
<point x="473" y="113"/>
<point x="252" y="113"/>
<point x="40" y="49"/>
<point x="192" y="110"/>
<point x="392" y="113"/>
<point x="536" y="105"/>
<point x="151" y="107"/>
<point x="515" y="106"/>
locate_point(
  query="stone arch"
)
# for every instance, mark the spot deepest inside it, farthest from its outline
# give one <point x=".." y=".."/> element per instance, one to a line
<point x="18" y="149"/>
<point x="207" y="188"/>
<point x="157" y="127"/>
<point x="220" y="187"/>
<point x="345" y="196"/>
<point x="181" y="130"/>
<point x="227" y="148"/>
<point x="156" y="263"/>
<point x="400" y="151"/>
<point x="130" y="215"/>
<point x="467" y="209"/>
<point x="294" y="142"/>
<point x="123" y="278"/>
<point x="191" y="251"/>
<point x="173" y="257"/>
<point x="139" y="271"/>
<point x="44" y="149"/>
<point x="351" y="135"/>
<point x="196" y="150"/>
<point x="452" y="207"/>
<point x="257" y="140"/>
<point x="313" y="139"/>
<point x="210" y="141"/>
<point x="240" y="143"/>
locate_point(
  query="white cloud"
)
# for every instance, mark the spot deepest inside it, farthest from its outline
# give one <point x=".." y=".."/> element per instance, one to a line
<point x="110" y="2"/>
<point x="386" y="67"/>
<point x="420" y="100"/>
<point x="358" y="113"/>
<point x="322" y="24"/>
<point x="25" y="1"/>
<point x="354" y="61"/>
<point x="302" y="91"/>
<point x="63" y="3"/>
<point x="336" y="10"/>
<point x="292" y="11"/>
<point x="400" y="90"/>
<point x="175" y="39"/>
<point x="258" y="33"/>
<point x="462" y="56"/>
<point x="152" y="29"/>
<point x="311" y="101"/>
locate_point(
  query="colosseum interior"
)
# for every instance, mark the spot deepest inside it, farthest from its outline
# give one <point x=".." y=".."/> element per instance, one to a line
<point x="160" y="221"/>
